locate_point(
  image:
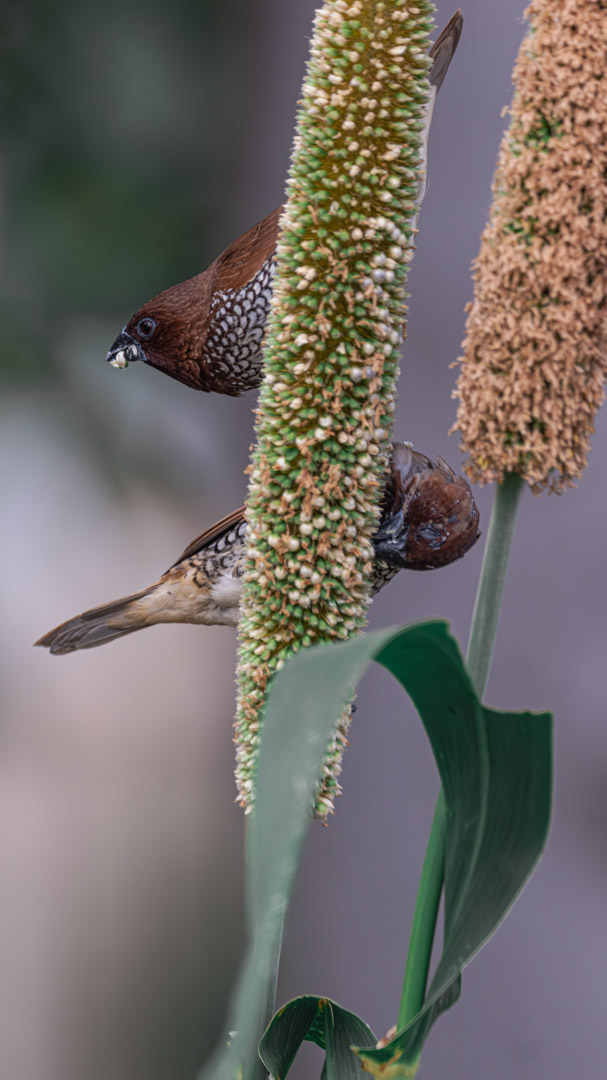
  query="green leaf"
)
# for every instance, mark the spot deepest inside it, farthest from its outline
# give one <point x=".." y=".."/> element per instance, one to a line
<point x="496" y="773"/>
<point x="320" y="1021"/>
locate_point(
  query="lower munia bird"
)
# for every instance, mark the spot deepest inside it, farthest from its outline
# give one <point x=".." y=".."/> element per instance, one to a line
<point x="207" y="332"/>
<point x="428" y="519"/>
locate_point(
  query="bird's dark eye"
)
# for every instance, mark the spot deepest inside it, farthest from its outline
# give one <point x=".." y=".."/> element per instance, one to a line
<point x="146" y="327"/>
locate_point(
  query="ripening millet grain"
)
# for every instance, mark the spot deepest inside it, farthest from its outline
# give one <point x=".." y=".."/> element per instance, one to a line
<point x="535" y="354"/>
<point x="331" y="349"/>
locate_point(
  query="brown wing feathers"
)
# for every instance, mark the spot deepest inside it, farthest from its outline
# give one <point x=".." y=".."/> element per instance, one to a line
<point x="242" y="260"/>
<point x="230" y="521"/>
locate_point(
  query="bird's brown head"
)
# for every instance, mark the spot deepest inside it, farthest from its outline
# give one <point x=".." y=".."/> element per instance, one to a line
<point x="168" y="333"/>
<point x="429" y="516"/>
<point x="207" y="332"/>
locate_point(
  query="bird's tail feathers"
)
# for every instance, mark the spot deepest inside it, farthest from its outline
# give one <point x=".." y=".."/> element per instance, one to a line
<point x="100" y="624"/>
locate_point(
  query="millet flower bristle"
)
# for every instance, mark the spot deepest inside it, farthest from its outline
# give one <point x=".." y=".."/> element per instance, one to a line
<point x="535" y="355"/>
<point x="331" y="350"/>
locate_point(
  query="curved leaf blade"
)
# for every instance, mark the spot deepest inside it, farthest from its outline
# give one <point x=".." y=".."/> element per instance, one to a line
<point x="285" y="1033"/>
<point x="317" y="1020"/>
<point x="343" y="1031"/>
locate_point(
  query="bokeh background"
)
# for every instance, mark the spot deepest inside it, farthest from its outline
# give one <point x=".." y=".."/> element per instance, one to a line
<point x="138" y="139"/>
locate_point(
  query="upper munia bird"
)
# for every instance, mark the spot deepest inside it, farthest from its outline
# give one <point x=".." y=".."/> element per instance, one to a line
<point x="428" y="519"/>
<point x="207" y="332"/>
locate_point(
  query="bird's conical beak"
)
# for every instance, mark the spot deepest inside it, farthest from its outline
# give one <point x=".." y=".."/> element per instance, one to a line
<point x="390" y="540"/>
<point x="125" y="351"/>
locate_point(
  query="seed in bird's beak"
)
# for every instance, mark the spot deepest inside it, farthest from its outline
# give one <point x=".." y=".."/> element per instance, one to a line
<point x="122" y="357"/>
<point x="124" y="351"/>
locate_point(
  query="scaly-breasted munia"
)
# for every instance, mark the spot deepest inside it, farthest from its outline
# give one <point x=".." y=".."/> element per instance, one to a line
<point x="428" y="519"/>
<point x="207" y="332"/>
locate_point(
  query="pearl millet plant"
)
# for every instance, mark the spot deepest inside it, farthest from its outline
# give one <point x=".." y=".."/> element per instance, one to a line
<point x="331" y="350"/>
<point x="535" y="355"/>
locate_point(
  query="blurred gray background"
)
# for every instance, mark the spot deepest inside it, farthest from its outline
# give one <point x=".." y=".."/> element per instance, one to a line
<point x="139" y="139"/>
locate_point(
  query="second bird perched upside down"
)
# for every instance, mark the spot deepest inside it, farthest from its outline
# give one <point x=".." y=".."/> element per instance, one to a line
<point x="428" y="519"/>
<point x="207" y="332"/>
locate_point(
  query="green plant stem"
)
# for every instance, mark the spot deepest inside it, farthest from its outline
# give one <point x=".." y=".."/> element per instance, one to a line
<point x="485" y="617"/>
<point x="424" y="920"/>
<point x="480" y="651"/>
